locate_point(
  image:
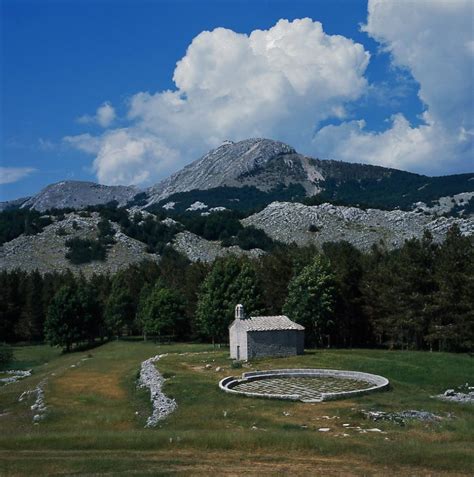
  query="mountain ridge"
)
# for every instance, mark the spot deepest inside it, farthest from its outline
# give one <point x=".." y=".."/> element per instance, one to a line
<point x="265" y="165"/>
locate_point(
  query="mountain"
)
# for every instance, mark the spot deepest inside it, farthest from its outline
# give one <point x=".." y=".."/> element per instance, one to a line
<point x="13" y="204"/>
<point x="252" y="173"/>
<point x="240" y="198"/>
<point x="260" y="163"/>
<point x="265" y="165"/>
<point x="78" y="195"/>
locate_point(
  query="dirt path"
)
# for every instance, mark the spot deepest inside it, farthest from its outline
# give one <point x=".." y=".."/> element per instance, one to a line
<point x="188" y="462"/>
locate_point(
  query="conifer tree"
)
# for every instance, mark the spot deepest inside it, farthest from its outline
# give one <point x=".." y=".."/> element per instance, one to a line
<point x="31" y="320"/>
<point x="346" y="264"/>
<point x="453" y="325"/>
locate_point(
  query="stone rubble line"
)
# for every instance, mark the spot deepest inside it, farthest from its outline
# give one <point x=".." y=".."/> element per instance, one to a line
<point x="16" y="375"/>
<point x="151" y="378"/>
<point x="39" y="406"/>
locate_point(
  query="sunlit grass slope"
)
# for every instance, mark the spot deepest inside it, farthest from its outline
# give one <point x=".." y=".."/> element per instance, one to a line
<point x="96" y="417"/>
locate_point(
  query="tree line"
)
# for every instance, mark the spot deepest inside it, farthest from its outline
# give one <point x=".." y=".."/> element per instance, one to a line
<point x="419" y="296"/>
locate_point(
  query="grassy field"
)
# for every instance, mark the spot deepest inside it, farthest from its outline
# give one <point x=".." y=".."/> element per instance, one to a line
<point x="96" y="416"/>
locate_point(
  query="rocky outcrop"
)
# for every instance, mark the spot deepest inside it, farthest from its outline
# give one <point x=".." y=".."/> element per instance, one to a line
<point x="78" y="195"/>
<point x="463" y="394"/>
<point x="445" y="205"/>
<point x="46" y="251"/>
<point x="198" y="249"/>
<point x="293" y="222"/>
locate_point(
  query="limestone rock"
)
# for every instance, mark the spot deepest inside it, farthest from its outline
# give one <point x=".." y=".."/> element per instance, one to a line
<point x="78" y="195"/>
<point x="198" y="249"/>
<point x="46" y="251"/>
<point x="290" y="222"/>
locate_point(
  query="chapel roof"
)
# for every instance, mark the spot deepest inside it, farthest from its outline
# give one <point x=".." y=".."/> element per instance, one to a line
<point x="269" y="323"/>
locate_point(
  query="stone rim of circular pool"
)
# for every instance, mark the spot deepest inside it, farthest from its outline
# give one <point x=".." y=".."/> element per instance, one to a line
<point x="374" y="382"/>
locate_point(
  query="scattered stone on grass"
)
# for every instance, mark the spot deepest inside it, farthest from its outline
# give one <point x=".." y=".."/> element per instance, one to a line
<point x="324" y="429"/>
<point x="39" y="406"/>
<point x="401" y="417"/>
<point x="15" y="375"/>
<point x="151" y="378"/>
<point x="462" y="394"/>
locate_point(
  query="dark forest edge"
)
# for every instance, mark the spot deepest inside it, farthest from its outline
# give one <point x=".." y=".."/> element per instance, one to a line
<point x="418" y="297"/>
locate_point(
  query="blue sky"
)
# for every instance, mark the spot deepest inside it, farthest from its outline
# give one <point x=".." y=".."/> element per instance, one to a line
<point x="83" y="91"/>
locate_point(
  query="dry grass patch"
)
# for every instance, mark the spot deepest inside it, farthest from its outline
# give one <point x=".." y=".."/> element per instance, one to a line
<point x="77" y="382"/>
<point x="186" y="462"/>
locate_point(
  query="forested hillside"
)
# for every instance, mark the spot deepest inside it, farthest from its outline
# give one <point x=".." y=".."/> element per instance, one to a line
<point x="415" y="297"/>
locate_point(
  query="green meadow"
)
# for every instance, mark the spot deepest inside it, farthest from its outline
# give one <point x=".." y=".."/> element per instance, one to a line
<point x="96" y="416"/>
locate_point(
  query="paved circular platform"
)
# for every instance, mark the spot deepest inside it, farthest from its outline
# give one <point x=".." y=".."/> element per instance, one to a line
<point x="307" y="385"/>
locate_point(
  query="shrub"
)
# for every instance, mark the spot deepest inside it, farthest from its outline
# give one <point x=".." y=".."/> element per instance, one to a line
<point x="251" y="237"/>
<point x="84" y="250"/>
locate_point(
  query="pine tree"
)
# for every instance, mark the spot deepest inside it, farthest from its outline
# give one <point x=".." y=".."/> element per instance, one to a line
<point x="408" y="289"/>
<point x="11" y="302"/>
<point x="274" y="273"/>
<point x="346" y="263"/>
<point x="453" y="325"/>
<point x="31" y="320"/>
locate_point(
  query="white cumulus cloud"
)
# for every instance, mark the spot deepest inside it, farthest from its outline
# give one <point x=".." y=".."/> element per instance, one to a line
<point x="401" y="146"/>
<point x="433" y="40"/>
<point x="128" y="157"/>
<point x="9" y="175"/>
<point x="279" y="83"/>
<point x="104" y="116"/>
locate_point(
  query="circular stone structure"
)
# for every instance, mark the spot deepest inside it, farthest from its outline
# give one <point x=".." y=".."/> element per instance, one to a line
<point x="306" y="385"/>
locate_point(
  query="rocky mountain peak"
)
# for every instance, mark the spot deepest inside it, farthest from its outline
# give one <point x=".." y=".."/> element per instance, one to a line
<point x="78" y="194"/>
<point x="231" y="164"/>
<point x="252" y="149"/>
